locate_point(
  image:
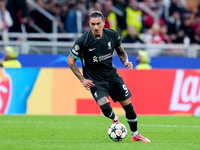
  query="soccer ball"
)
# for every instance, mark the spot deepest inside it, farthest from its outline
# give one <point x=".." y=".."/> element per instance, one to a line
<point x="117" y="132"/>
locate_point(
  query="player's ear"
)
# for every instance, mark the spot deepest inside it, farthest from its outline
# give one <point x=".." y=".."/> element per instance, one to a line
<point x="89" y="22"/>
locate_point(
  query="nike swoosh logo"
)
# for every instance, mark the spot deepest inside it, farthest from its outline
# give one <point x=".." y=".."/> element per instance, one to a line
<point x="91" y="49"/>
<point x="126" y="94"/>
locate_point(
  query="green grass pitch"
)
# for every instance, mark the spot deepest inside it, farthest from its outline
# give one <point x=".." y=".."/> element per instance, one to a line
<point x="90" y="133"/>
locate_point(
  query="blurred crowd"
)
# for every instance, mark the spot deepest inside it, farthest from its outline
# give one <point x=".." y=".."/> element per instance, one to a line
<point x="173" y="23"/>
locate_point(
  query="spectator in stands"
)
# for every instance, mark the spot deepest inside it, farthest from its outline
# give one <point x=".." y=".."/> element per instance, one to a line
<point x="143" y="60"/>
<point x="38" y="18"/>
<point x="155" y="9"/>
<point x="153" y="37"/>
<point x="176" y="5"/>
<point x="165" y="37"/>
<point x="198" y="9"/>
<point x="49" y="6"/>
<point x="98" y="6"/>
<point x="110" y="15"/>
<point x="132" y="36"/>
<point x="148" y="3"/>
<point x="70" y="4"/>
<point x="19" y="13"/>
<point x="43" y="22"/>
<point x="5" y="20"/>
<point x="121" y="19"/>
<point x="161" y="9"/>
<point x="188" y="29"/>
<point x="86" y="23"/>
<point x="9" y="60"/>
<point x="196" y="26"/>
<point x="174" y="27"/>
<point x="56" y="10"/>
<point x="163" y="33"/>
<point x="149" y="20"/>
<point x="64" y="12"/>
<point x="134" y="15"/>
<point x="75" y="19"/>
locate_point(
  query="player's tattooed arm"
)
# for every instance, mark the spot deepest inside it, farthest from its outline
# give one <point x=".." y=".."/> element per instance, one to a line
<point x="122" y="54"/>
<point x="86" y="83"/>
<point x="74" y="68"/>
<point x="124" y="57"/>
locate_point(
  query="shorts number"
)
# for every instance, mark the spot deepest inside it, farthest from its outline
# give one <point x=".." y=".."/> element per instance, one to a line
<point x="126" y="90"/>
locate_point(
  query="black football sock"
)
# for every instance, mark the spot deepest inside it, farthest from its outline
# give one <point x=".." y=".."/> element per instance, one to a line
<point x="131" y="117"/>
<point x="108" y="111"/>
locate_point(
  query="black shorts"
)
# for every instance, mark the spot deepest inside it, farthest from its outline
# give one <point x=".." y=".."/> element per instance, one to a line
<point x="114" y="88"/>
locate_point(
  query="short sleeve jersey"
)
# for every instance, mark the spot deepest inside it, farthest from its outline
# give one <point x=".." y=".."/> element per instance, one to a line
<point x="96" y="54"/>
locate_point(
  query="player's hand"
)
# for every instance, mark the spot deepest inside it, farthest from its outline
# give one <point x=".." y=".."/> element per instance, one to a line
<point x="129" y="65"/>
<point x="87" y="84"/>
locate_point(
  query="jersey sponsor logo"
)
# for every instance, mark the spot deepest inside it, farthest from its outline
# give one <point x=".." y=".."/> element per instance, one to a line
<point x="102" y="58"/>
<point x="91" y="49"/>
<point x="95" y="59"/>
<point x="109" y="45"/>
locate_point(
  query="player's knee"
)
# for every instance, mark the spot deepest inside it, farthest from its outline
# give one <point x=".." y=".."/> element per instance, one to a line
<point x="130" y="112"/>
<point x="107" y="110"/>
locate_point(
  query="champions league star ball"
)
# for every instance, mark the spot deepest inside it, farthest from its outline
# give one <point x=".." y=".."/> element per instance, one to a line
<point x="117" y="132"/>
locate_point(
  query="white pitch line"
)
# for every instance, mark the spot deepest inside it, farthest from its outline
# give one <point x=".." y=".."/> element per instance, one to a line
<point x="169" y="126"/>
<point x="88" y="123"/>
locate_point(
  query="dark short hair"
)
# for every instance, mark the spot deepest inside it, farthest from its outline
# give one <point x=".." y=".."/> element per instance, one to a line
<point x="97" y="14"/>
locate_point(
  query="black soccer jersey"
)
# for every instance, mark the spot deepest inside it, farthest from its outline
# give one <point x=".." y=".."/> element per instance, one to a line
<point x="96" y="54"/>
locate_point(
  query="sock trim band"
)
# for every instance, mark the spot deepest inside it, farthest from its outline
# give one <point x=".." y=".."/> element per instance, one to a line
<point x="111" y="113"/>
<point x="131" y="120"/>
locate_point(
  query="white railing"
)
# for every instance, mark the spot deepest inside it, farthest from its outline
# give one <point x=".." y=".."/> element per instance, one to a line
<point x="149" y="11"/>
<point x="64" y="46"/>
<point x="46" y="14"/>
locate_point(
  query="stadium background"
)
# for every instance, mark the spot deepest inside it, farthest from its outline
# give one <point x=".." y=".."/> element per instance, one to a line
<point x="57" y="91"/>
<point x="45" y="85"/>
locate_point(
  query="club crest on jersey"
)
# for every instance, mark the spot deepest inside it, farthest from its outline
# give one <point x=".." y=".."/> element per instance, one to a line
<point x="109" y="45"/>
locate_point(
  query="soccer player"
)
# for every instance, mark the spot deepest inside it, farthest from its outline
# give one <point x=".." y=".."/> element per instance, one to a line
<point x="95" y="49"/>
